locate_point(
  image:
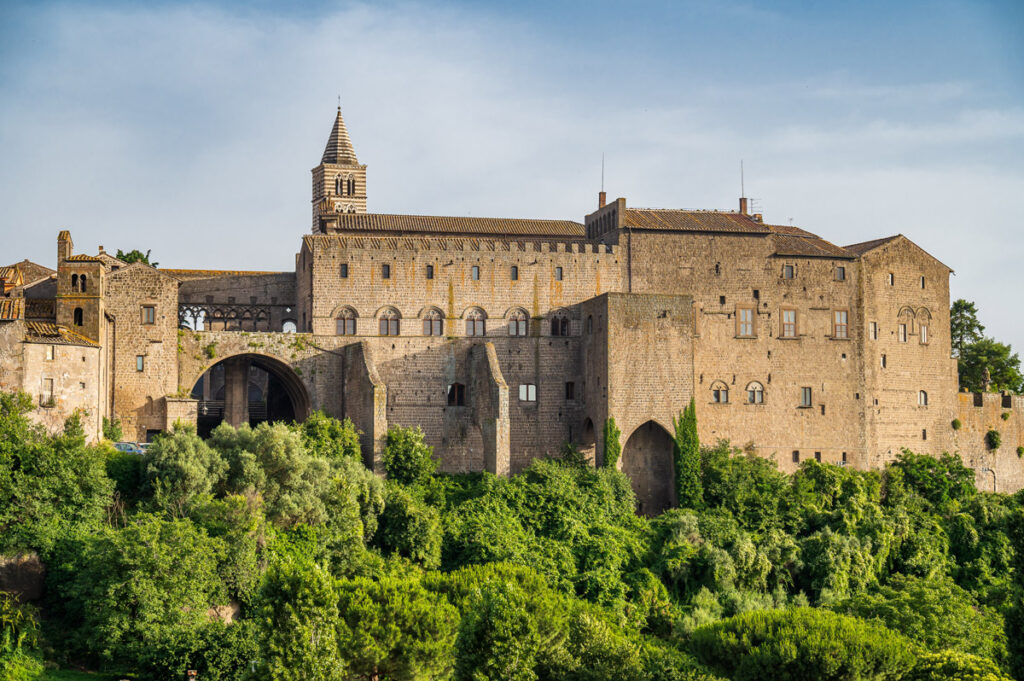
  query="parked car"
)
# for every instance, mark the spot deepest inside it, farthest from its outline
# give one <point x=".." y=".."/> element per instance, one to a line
<point x="128" y="447"/>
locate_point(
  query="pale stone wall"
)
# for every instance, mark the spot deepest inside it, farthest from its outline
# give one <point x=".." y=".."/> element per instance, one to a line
<point x="978" y="414"/>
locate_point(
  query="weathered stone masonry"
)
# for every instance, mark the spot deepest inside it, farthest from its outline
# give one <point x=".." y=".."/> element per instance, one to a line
<point x="503" y="339"/>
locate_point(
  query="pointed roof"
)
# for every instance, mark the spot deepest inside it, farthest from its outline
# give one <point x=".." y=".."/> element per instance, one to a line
<point x="339" y="149"/>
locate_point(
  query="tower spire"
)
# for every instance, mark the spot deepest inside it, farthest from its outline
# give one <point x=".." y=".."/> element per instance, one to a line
<point x="339" y="150"/>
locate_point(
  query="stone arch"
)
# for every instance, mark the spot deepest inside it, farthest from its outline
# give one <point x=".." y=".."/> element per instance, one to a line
<point x="648" y="462"/>
<point x="249" y="388"/>
<point x="384" y="309"/>
<point x="338" y="311"/>
<point x="474" y="309"/>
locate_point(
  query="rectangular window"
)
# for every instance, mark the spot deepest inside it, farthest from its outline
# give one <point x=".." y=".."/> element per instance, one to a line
<point x="514" y="274"/>
<point x="840" y="328"/>
<point x="430" y="271"/>
<point x="922" y="282"/>
<point x="796" y="456"/>
<point x="140" y="362"/>
<point x="433" y="327"/>
<point x="901" y="333"/>
<point x="476" y="272"/>
<point x="924" y="433"/>
<point x="50" y="351"/>
<point x="883" y="361"/>
<point x="46" y="396"/>
<point x="570" y="391"/>
<point x="456" y="395"/>
<point x="148" y="314"/>
<point x="389" y="327"/>
<point x="873" y="330"/>
<point x="788" y="271"/>
<point x="745" y="321"/>
<point x="789" y="323"/>
<point x="475" y="327"/>
<point x="892" y="279"/>
<point x="844" y="458"/>
<point x="558" y="274"/>
<point x="344" y="270"/>
<point x="805" y="397"/>
<point x="817" y="456"/>
<point x="840" y="273"/>
<point x="346" y="327"/>
<point x="924" y="334"/>
<point x="385" y="271"/>
<point x="527" y="392"/>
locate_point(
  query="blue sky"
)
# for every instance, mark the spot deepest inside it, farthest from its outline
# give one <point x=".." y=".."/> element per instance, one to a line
<point x="190" y="129"/>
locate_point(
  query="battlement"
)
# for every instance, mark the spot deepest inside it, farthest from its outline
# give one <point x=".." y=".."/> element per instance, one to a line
<point x="461" y="244"/>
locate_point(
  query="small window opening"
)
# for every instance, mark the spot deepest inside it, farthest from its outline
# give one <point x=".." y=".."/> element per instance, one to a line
<point x="385" y="271"/>
<point x="456" y="395"/>
<point x="344" y="270"/>
<point x="892" y="279"/>
<point x="527" y="392"/>
<point x="476" y="273"/>
<point x="430" y="271"/>
<point x="570" y="390"/>
<point x="817" y="456"/>
<point x="805" y="397"/>
<point x="558" y="274"/>
<point x="840" y="273"/>
<point x="78" y="314"/>
<point x="514" y="274"/>
<point x="788" y="271"/>
<point x="140" y="362"/>
<point x="796" y="456"/>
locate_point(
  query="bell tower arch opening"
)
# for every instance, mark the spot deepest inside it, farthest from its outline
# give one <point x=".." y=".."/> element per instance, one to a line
<point x="249" y="388"/>
<point x="648" y="462"/>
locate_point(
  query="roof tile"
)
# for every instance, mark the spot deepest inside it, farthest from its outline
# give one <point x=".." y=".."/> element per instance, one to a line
<point x="369" y="223"/>
<point x="692" y="221"/>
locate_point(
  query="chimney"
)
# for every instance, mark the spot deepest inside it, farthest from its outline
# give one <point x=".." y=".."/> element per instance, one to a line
<point x="64" y="245"/>
<point x="602" y="199"/>
<point x="743" y="205"/>
<point x="758" y="217"/>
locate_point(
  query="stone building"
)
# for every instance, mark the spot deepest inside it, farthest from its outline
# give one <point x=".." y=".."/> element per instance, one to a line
<point x="506" y="338"/>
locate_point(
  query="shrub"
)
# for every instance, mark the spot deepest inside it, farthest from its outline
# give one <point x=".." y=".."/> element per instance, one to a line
<point x="18" y="640"/>
<point x="993" y="439"/>
<point x="949" y="664"/>
<point x="112" y="429"/>
<point x="1005" y="416"/>
<point x="612" y="446"/>
<point x="801" y="643"/>
<point x="181" y="466"/>
<point x="409" y="528"/>
<point x="408" y="459"/>
<point x="1020" y="452"/>
<point x="328" y="438"/>
<point x="957" y="424"/>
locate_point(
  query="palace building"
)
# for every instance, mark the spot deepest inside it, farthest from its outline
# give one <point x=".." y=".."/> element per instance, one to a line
<point x="505" y="338"/>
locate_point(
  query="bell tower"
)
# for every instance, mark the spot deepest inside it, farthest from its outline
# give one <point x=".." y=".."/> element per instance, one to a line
<point x="339" y="182"/>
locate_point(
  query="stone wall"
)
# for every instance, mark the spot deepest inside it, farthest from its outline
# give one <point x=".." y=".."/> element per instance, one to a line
<point x="978" y="414"/>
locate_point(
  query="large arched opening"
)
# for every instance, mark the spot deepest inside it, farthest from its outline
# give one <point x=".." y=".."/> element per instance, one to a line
<point x="251" y="389"/>
<point x="647" y="461"/>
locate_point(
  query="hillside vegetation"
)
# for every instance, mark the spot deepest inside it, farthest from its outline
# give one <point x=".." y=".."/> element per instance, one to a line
<point x="271" y="553"/>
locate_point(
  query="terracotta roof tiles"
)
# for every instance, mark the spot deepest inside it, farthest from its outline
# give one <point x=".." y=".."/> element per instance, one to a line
<point x="45" y="332"/>
<point x="11" y="309"/>
<point x="369" y="223"/>
<point x="691" y="221"/>
<point x="865" y="246"/>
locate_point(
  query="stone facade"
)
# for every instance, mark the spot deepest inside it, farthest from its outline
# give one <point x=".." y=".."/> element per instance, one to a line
<point x="504" y="339"/>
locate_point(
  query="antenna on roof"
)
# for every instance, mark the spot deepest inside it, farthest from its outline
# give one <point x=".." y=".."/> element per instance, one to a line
<point x="744" y="210"/>
<point x="602" y="198"/>
<point x="742" y="189"/>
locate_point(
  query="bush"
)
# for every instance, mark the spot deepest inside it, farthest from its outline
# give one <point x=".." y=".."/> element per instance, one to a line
<point x="1020" y="452"/>
<point x="993" y="439"/>
<point x="957" y="424"/>
<point x="409" y="528"/>
<point x="18" y="640"/>
<point x="407" y="458"/>
<point x="112" y="429"/>
<point x="181" y="466"/>
<point x="801" y="643"/>
<point x="1005" y="416"/>
<point x="329" y="438"/>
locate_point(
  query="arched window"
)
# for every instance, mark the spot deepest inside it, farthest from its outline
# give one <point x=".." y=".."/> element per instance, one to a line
<point x="433" y="322"/>
<point x="346" y="322"/>
<point x="719" y="393"/>
<point x="476" y="322"/>
<point x="78" y="316"/>
<point x="81" y="283"/>
<point x="339" y="186"/>
<point x="590" y="324"/>
<point x="456" y="395"/>
<point x="755" y="393"/>
<point x="289" y="326"/>
<point x="351" y="185"/>
<point x="559" y="325"/>
<point x="74" y="282"/>
<point x="389" y="322"/>
<point x="922" y="398"/>
<point x="518" y="323"/>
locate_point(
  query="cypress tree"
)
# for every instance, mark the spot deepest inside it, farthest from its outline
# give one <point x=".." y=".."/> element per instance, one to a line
<point x="612" y="446"/>
<point x="686" y="452"/>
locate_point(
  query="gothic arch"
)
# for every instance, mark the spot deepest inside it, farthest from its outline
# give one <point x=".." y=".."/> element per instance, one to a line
<point x="647" y="461"/>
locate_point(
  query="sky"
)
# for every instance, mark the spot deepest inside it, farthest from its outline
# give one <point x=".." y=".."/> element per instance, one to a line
<point x="190" y="128"/>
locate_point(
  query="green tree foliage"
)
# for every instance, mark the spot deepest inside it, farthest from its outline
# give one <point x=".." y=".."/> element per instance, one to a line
<point x="947" y="665"/>
<point x="393" y="628"/>
<point x="19" y="638"/>
<point x="112" y="429"/>
<point x="328" y="438"/>
<point x="48" y="485"/>
<point x="135" y="255"/>
<point x="408" y="459"/>
<point x="935" y="613"/>
<point x="612" y="445"/>
<point x="409" y="528"/>
<point x="686" y="451"/>
<point x="802" y="643"/>
<point x="965" y="329"/>
<point x="181" y="466"/>
<point x="999" y="359"/>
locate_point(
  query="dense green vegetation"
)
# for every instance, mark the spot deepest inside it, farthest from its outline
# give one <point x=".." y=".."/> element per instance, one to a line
<point x="273" y="553"/>
<point x="982" y="362"/>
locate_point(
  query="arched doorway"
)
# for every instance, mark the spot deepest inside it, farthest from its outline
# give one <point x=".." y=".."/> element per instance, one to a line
<point x="647" y="460"/>
<point x="251" y="389"/>
<point x="588" y="442"/>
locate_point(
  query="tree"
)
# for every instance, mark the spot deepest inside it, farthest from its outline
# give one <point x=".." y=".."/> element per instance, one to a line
<point x="998" y="359"/>
<point x="408" y="459"/>
<point x="181" y="466"/>
<point x="328" y="438"/>
<point x="499" y="639"/>
<point x="612" y="446"/>
<point x="394" y="629"/>
<point x="135" y="255"/>
<point x="949" y="664"/>
<point x="689" y="491"/>
<point x="965" y="329"/>
<point x="410" y="528"/>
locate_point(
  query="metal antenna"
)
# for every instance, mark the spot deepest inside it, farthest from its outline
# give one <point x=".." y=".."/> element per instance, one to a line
<point x="742" y="189"/>
<point x="602" y="171"/>
<point x="339" y="102"/>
